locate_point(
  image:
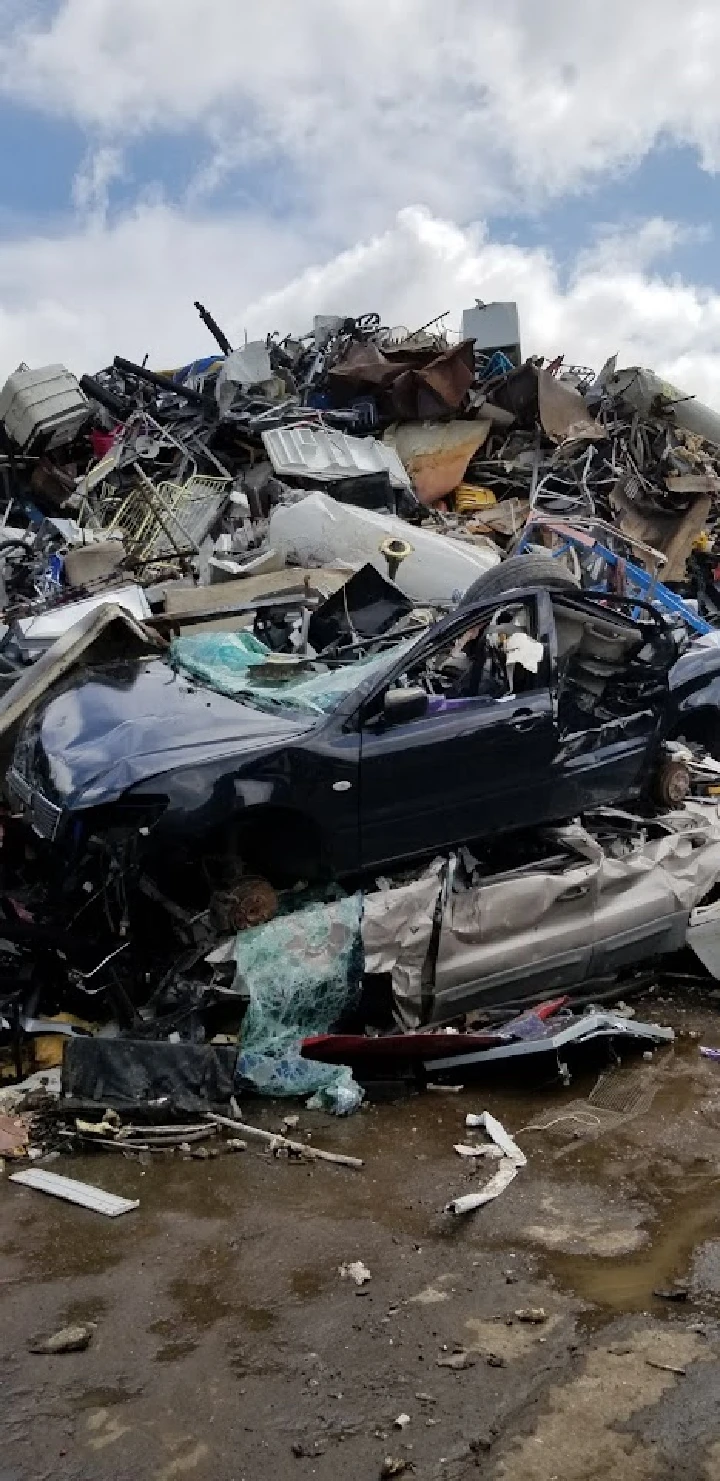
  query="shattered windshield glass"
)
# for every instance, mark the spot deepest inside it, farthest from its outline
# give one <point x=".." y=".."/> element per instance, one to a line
<point x="239" y="665"/>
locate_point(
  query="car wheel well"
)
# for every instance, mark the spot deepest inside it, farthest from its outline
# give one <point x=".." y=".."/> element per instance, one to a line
<point x="701" y="727"/>
<point x="280" y="846"/>
<point x="280" y="843"/>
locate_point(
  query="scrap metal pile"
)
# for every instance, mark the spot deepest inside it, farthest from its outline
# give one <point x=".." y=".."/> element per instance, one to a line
<point x="228" y="593"/>
<point x="177" y="474"/>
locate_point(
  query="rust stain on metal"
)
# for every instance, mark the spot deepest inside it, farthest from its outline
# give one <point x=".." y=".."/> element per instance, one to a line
<point x="436" y="454"/>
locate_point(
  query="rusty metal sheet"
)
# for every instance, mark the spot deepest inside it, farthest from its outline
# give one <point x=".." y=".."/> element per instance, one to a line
<point x="436" y="454"/>
<point x="672" y="534"/>
<point x="440" y="385"/>
<point x="415" y="382"/>
<point x="518" y="394"/>
<point x="563" y="412"/>
<point x="366" y="365"/>
<point x="530" y="393"/>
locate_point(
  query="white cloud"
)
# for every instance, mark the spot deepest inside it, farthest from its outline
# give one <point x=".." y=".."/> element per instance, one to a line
<point x="614" y="301"/>
<point x="325" y="119"/>
<point x="639" y="246"/>
<point x="91" y="185"/>
<point x="128" y="287"/>
<point x="461" y="104"/>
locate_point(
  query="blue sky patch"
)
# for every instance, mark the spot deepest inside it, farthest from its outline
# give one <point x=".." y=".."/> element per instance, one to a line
<point x="668" y="182"/>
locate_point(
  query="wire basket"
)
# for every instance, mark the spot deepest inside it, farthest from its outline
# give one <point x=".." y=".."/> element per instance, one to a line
<point x="165" y="520"/>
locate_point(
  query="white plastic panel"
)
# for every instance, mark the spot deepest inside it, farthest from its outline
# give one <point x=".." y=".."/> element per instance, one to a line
<point x="317" y="452"/>
<point x="320" y="531"/>
<point x="84" y="1194"/>
<point x="46" y="403"/>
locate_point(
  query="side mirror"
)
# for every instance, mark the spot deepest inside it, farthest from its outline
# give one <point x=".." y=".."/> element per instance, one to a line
<point x="402" y="705"/>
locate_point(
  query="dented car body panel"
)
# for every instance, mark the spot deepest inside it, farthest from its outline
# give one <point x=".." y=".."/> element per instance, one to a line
<point x="582" y="729"/>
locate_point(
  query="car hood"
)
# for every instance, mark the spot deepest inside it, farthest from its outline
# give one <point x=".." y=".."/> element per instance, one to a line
<point x="123" y="724"/>
<point x="701" y="660"/>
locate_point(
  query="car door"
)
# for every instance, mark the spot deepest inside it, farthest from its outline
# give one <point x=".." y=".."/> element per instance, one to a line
<point x="528" y="931"/>
<point x="323" y="781"/>
<point x="463" y="770"/>
<point x="606" y="751"/>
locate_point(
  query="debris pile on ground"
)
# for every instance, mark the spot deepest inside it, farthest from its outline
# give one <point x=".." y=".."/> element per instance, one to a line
<point x="360" y="717"/>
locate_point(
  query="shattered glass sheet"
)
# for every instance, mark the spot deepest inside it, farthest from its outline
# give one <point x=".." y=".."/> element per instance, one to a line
<point x="301" y="971"/>
<point x="230" y="663"/>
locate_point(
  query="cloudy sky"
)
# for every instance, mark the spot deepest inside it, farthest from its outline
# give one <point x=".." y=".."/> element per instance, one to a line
<point x="278" y="158"/>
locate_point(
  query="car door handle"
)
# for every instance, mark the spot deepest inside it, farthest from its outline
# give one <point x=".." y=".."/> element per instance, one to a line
<point x="573" y="892"/>
<point x="523" y="720"/>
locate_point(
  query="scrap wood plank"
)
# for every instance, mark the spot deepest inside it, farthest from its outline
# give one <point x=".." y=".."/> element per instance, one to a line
<point x="314" y="1154"/>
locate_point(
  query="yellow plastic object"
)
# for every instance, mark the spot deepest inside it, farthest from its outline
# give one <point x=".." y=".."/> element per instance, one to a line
<point x="702" y="541"/>
<point x="48" y="1048"/>
<point x="469" y="498"/>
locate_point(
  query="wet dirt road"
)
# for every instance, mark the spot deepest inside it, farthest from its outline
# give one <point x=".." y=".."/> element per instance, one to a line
<point x="228" y="1347"/>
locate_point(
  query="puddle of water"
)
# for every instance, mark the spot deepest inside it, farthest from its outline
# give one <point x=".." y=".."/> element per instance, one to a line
<point x="256" y="1362"/>
<point x="73" y="1249"/>
<point x="164" y="1327"/>
<point x="172" y="1352"/>
<point x="105" y="1398"/>
<point x="409" y="1173"/>
<point x="257" y="1318"/>
<point x="201" y="1303"/>
<point x="59" y="1240"/>
<point x="677" y="1182"/>
<point x="306" y="1284"/>
<point x="626" y="1283"/>
<point x="90" y="1309"/>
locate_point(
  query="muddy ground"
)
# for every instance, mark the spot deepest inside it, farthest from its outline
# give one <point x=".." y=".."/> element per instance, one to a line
<point x="228" y="1348"/>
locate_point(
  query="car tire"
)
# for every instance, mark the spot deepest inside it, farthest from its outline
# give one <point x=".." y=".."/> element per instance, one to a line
<point x="673" y="784"/>
<point x="518" y="571"/>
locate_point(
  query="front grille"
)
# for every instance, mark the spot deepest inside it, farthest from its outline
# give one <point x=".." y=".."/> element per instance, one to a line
<point x="43" y="815"/>
<point x="18" y="788"/>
